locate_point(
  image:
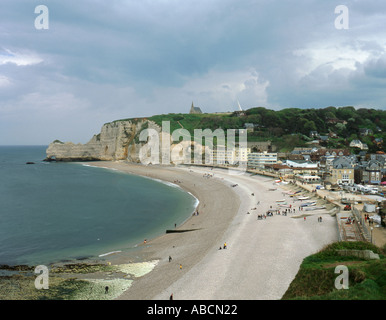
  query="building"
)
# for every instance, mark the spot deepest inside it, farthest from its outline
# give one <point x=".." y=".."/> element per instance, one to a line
<point x="365" y="132"/>
<point x="342" y="171"/>
<point x="314" y="134"/>
<point x="260" y="159"/>
<point x="303" y="151"/>
<point x="309" y="178"/>
<point x="279" y="169"/>
<point x="195" y="110"/>
<point x="241" y="155"/>
<point x="378" y="142"/>
<point x="358" y="144"/>
<point x="304" y="171"/>
<point x="222" y="156"/>
<point x="249" y="126"/>
<point x="319" y="154"/>
<point x="323" y="139"/>
<point x="370" y="172"/>
<point x="301" y="164"/>
<point x="231" y="156"/>
<point x="261" y="146"/>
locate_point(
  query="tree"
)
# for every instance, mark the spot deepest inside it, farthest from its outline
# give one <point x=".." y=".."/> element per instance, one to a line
<point x="344" y="113"/>
<point x="309" y="125"/>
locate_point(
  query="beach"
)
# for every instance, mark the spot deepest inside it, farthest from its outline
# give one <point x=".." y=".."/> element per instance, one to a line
<point x="262" y="256"/>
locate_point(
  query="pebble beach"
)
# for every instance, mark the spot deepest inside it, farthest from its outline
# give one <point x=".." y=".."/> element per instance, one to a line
<point x="262" y="256"/>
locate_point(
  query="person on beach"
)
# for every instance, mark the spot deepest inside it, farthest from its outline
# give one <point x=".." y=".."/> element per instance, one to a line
<point x="225" y="245"/>
<point x="170" y="258"/>
<point x="171" y="297"/>
<point x="180" y="266"/>
<point x="106" y="289"/>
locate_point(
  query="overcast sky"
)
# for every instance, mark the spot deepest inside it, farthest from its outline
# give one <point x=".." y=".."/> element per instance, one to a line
<point x="99" y="61"/>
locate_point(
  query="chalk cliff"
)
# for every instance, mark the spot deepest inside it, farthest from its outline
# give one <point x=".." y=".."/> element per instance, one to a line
<point x="118" y="140"/>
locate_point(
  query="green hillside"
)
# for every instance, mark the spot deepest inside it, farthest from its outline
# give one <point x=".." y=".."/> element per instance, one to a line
<point x="291" y="127"/>
<point x="315" y="279"/>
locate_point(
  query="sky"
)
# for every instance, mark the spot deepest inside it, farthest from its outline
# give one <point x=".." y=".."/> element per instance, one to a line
<point x="98" y="61"/>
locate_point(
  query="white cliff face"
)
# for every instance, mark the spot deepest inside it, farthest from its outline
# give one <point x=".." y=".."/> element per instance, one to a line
<point x="118" y="140"/>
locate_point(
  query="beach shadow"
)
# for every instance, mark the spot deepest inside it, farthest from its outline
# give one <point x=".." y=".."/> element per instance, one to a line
<point x="182" y="230"/>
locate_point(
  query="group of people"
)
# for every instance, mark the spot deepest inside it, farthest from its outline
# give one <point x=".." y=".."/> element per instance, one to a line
<point x="367" y="218"/>
<point x="224" y="246"/>
<point x="350" y="220"/>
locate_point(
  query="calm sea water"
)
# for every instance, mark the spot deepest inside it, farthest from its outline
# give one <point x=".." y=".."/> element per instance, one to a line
<point x="51" y="212"/>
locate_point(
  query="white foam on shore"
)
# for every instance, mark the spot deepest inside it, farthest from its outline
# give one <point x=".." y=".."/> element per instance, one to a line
<point x="91" y="166"/>
<point x="108" y="253"/>
<point x="197" y="202"/>
<point x="170" y="184"/>
<point x="137" y="269"/>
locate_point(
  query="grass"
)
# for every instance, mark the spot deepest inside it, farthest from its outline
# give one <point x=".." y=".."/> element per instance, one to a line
<point x="315" y="279"/>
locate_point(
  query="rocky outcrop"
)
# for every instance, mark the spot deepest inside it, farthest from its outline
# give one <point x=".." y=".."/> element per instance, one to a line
<point x="118" y="140"/>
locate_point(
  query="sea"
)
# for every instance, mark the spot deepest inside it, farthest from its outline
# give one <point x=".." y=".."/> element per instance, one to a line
<point x="52" y="212"/>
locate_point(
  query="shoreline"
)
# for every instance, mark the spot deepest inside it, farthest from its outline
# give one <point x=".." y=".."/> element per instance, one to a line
<point x="191" y="240"/>
<point x="262" y="257"/>
<point x="154" y="254"/>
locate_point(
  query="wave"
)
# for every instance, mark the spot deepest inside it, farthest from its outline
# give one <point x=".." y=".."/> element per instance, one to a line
<point x="91" y="166"/>
<point x="108" y="253"/>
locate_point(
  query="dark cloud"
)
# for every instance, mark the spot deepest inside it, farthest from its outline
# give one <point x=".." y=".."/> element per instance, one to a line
<point x="104" y="60"/>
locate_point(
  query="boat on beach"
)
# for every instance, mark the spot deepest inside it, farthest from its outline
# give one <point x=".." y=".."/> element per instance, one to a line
<point x="308" y="204"/>
<point x="315" y="208"/>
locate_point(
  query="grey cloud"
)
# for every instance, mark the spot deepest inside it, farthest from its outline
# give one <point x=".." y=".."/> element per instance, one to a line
<point x="137" y="58"/>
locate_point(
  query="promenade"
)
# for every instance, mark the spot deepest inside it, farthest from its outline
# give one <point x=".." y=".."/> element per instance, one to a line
<point x="359" y="230"/>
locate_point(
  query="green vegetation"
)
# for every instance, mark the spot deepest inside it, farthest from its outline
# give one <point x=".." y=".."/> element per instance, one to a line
<point x="291" y="127"/>
<point x="315" y="279"/>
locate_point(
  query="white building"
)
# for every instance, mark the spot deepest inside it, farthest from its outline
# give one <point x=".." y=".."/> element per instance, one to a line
<point x="259" y="159"/>
<point x="231" y="156"/>
<point x="301" y="164"/>
<point x="359" y="144"/>
<point x="241" y="154"/>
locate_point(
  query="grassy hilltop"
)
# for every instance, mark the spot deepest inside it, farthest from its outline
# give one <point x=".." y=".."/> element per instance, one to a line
<point x="315" y="279"/>
<point x="291" y="127"/>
